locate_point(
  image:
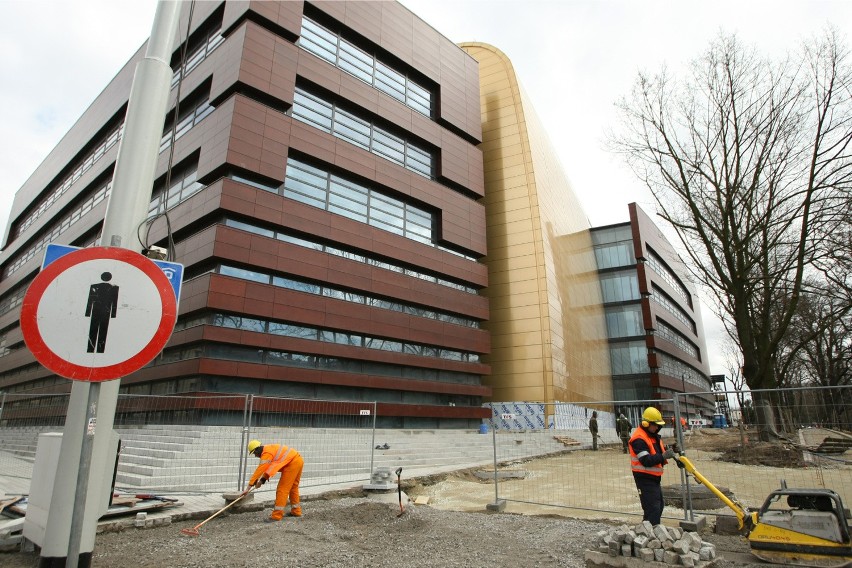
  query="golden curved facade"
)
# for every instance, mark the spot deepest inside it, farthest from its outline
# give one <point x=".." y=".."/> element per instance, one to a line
<point x="548" y="334"/>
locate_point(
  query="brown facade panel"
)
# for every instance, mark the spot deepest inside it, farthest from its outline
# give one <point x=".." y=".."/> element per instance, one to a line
<point x="287" y="15"/>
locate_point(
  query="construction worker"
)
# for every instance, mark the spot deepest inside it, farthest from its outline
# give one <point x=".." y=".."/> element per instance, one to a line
<point x="623" y="427"/>
<point x="275" y="458"/>
<point x="593" y="428"/>
<point x="648" y="455"/>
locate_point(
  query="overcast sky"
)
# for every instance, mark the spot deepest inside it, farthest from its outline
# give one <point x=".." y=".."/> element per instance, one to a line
<point x="574" y="58"/>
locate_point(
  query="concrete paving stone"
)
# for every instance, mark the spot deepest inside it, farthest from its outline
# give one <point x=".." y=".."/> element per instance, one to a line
<point x="626" y="550"/>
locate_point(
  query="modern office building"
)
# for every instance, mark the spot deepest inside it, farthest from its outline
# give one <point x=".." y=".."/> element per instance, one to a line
<point x="548" y="337"/>
<point x="656" y="337"/>
<point x="321" y="180"/>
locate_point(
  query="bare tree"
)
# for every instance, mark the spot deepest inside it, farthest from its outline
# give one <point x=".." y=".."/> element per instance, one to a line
<point x="749" y="160"/>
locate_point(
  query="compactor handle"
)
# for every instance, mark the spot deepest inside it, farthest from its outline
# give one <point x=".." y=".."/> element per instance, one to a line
<point x="746" y="519"/>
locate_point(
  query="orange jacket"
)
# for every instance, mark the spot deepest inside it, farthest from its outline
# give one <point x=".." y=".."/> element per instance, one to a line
<point x="273" y="459"/>
<point x="656" y="466"/>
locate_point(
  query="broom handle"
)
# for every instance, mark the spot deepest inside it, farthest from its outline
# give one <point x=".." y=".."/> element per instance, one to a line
<point x="222" y="510"/>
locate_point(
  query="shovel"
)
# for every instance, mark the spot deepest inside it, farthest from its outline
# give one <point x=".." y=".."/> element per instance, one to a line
<point x="194" y="530"/>
<point x="399" y="491"/>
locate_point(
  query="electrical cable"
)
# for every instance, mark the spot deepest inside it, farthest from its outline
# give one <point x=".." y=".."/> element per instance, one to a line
<point x="171" y="254"/>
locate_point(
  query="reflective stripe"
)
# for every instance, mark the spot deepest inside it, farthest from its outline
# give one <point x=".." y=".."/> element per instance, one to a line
<point x="636" y="465"/>
<point x="279" y="508"/>
<point x="264" y="461"/>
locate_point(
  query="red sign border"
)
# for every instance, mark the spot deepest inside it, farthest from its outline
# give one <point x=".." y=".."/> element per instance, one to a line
<point x="55" y="363"/>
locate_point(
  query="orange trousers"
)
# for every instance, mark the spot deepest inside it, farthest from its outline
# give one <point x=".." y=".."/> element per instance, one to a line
<point x="288" y="488"/>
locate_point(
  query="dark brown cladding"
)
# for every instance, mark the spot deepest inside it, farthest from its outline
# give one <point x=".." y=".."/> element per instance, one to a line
<point x="250" y="81"/>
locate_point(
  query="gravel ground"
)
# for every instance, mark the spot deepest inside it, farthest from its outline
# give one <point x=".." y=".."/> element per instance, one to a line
<point x="357" y="531"/>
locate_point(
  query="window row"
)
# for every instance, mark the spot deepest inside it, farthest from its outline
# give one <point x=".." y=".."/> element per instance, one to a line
<point x="85" y="164"/>
<point x="328" y="336"/>
<point x="346" y="296"/>
<point x="189" y="117"/>
<point x="58" y="228"/>
<point x="13" y="300"/>
<point x="349" y="255"/>
<point x="328" y="45"/>
<point x="282" y="189"/>
<point x="303" y="360"/>
<point x="671" y="306"/>
<point x="659" y="266"/>
<point x="363" y="133"/>
<point x="213" y="40"/>
<point x="335" y="194"/>
<point x="680" y="370"/>
<point x="672" y="335"/>
<point x="180" y="189"/>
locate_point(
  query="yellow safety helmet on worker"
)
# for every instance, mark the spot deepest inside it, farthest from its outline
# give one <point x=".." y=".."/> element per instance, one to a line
<point x="652" y="416"/>
<point x="253" y="445"/>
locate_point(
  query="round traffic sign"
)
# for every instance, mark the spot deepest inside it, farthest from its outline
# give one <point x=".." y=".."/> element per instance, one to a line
<point x="98" y="313"/>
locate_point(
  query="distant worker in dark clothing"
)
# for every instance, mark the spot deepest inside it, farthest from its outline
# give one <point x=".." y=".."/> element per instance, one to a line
<point x="593" y="428"/>
<point x="623" y="427"/>
<point x="648" y="455"/>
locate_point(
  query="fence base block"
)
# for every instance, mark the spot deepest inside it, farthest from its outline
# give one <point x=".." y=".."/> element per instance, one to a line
<point x="498" y="506"/>
<point x="695" y="525"/>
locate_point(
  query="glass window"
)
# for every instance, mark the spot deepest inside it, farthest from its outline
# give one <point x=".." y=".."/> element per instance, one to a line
<point x="244" y="274"/>
<point x="619" y="286"/>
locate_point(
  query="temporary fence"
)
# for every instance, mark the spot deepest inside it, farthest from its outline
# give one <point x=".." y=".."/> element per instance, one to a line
<point x="536" y="457"/>
<point x="801" y="436"/>
<point x="199" y="443"/>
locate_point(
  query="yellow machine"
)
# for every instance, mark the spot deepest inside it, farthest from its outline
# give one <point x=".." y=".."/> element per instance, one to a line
<point x="810" y="531"/>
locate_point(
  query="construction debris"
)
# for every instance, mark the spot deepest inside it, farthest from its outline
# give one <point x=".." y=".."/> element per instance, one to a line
<point x="651" y="544"/>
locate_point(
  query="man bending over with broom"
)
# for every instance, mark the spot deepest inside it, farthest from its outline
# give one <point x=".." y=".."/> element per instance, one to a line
<point x="275" y="458"/>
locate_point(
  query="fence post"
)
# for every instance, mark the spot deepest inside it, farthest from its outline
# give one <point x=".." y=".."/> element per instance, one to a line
<point x="244" y="438"/>
<point x="686" y="490"/>
<point x="497" y="505"/>
<point x="2" y="405"/>
<point x="373" y="443"/>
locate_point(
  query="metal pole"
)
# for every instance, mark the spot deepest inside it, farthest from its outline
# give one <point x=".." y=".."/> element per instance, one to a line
<point x="373" y="443"/>
<point x="244" y="437"/>
<point x="494" y="446"/>
<point x="685" y="400"/>
<point x="126" y="208"/>
<point x="77" y="515"/>
<point x="2" y="404"/>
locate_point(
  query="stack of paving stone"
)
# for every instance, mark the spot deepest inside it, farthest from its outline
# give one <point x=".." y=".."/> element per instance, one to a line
<point x="648" y="543"/>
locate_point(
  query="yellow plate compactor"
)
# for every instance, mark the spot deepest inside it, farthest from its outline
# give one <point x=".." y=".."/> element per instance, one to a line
<point x="811" y="530"/>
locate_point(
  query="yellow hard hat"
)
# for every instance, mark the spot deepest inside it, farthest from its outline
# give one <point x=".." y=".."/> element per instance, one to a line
<point x="253" y="445"/>
<point x="651" y="415"/>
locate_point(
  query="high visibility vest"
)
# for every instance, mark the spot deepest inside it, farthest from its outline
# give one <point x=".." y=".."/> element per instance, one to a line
<point x="274" y="458"/>
<point x="282" y="455"/>
<point x="635" y="465"/>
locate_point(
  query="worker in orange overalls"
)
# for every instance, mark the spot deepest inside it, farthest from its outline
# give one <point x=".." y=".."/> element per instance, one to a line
<point x="276" y="458"/>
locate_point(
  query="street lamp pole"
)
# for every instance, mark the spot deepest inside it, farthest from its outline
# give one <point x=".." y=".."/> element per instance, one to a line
<point x="685" y="399"/>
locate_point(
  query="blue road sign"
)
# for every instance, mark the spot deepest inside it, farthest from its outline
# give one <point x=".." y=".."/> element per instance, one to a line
<point x="172" y="270"/>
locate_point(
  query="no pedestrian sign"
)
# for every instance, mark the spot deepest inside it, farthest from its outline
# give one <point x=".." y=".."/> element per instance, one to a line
<point x="100" y="313"/>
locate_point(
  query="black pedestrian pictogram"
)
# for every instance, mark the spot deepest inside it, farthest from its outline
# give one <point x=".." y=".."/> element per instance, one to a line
<point x="101" y="307"/>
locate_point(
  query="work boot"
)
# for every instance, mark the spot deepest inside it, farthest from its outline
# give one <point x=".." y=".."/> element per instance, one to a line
<point x="271" y="520"/>
<point x="296" y="512"/>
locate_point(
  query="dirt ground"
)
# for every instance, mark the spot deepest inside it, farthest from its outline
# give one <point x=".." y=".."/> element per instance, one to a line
<point x="452" y="530"/>
<point x="354" y="531"/>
